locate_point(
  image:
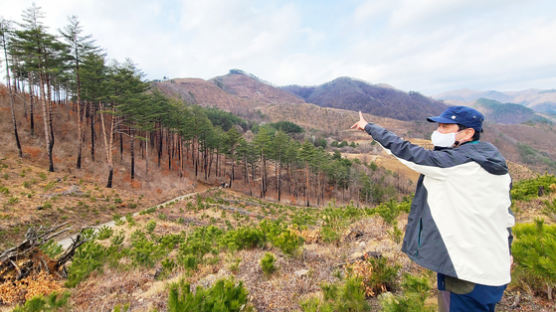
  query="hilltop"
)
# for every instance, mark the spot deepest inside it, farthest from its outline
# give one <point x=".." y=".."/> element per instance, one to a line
<point x="353" y="94"/>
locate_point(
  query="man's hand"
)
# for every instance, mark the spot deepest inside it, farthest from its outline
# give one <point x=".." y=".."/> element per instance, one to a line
<point x="360" y="125"/>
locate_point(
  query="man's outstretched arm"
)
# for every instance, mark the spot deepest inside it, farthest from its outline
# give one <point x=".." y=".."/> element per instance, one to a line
<point x="424" y="161"/>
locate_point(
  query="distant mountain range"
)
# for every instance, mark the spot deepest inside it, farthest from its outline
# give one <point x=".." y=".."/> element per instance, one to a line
<point x="508" y="113"/>
<point x="541" y="101"/>
<point x="353" y="94"/>
<point x="241" y="93"/>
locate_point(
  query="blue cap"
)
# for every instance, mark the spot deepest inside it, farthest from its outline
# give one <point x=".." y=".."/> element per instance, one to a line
<point x="463" y="115"/>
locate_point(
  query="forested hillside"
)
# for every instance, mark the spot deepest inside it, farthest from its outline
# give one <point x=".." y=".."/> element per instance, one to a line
<point x="352" y="94"/>
<point x="508" y="113"/>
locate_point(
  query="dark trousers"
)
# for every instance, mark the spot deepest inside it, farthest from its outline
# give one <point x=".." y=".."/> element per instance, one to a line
<point x="455" y="295"/>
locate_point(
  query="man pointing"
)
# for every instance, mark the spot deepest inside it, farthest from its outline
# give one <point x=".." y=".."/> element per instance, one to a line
<point x="460" y="222"/>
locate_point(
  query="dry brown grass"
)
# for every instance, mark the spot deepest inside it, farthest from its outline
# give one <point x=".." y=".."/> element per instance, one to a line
<point x="36" y="284"/>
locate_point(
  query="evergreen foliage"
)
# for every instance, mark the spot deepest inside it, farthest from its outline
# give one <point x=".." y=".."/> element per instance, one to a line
<point x="267" y="263"/>
<point x="51" y="303"/>
<point x="534" y="251"/>
<point x="287" y="127"/>
<point x="415" y="292"/>
<point x="224" y="296"/>
<point x="348" y="296"/>
<point x="529" y="188"/>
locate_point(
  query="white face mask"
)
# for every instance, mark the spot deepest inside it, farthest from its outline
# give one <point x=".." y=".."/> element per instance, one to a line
<point x="443" y="139"/>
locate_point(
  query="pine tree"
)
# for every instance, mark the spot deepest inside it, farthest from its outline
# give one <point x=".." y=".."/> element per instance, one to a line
<point x="129" y="99"/>
<point x="262" y="143"/>
<point x="306" y="153"/>
<point x="4" y="32"/>
<point x="292" y="161"/>
<point x="79" y="45"/>
<point x="39" y="48"/>
<point x="279" y="148"/>
<point x="231" y="141"/>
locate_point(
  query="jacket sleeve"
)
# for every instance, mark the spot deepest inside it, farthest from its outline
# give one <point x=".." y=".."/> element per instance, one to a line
<point x="427" y="162"/>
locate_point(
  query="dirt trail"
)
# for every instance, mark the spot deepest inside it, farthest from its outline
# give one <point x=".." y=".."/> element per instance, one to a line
<point x="65" y="242"/>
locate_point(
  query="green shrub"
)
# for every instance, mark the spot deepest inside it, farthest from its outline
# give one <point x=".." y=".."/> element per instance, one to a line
<point x="335" y="219"/>
<point x="51" y="248"/>
<point x="223" y="296"/>
<point x="267" y="263"/>
<point x="151" y="225"/>
<point x="104" y="232"/>
<point x="403" y="303"/>
<point x="534" y="251"/>
<point x="118" y="239"/>
<point x="148" y="211"/>
<point x="280" y="236"/>
<point x="396" y="233"/>
<point x="118" y="308"/>
<point x="52" y="302"/>
<point x="144" y="251"/>
<point x="12" y="201"/>
<point x="377" y="274"/>
<point x="170" y="241"/>
<point x="347" y="297"/>
<point x="168" y="266"/>
<point x="129" y="219"/>
<point x="47" y="205"/>
<point x="202" y="241"/>
<point x="162" y="216"/>
<point x="303" y="219"/>
<point x="243" y="238"/>
<point x="527" y="189"/>
<point x="384" y="273"/>
<point x="550" y="209"/>
<point x="50" y="185"/>
<point x="329" y="235"/>
<point x="118" y="219"/>
<point x="234" y="265"/>
<point x="415" y="292"/>
<point x="4" y="190"/>
<point x="287" y="241"/>
<point x="415" y="284"/>
<point x="391" y="209"/>
<point x="88" y="257"/>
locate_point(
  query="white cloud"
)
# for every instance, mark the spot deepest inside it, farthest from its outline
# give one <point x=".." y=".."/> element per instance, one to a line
<point x="428" y="46"/>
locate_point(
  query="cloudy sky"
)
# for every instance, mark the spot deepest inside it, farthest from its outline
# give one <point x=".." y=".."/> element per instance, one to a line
<point x="430" y="46"/>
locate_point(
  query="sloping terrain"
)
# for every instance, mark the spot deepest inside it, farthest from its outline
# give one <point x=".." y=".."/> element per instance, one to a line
<point x="542" y="101"/>
<point x="249" y="87"/>
<point x="352" y="94"/>
<point x="507" y="113"/>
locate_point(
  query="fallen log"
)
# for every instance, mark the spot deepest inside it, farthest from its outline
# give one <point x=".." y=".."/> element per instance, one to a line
<point x="27" y="257"/>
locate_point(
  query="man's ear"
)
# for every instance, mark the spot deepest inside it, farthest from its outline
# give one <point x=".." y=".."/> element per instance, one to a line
<point x="469" y="133"/>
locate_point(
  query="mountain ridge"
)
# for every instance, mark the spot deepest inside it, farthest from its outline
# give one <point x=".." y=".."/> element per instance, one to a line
<point x="355" y="94"/>
<point x="541" y="101"/>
